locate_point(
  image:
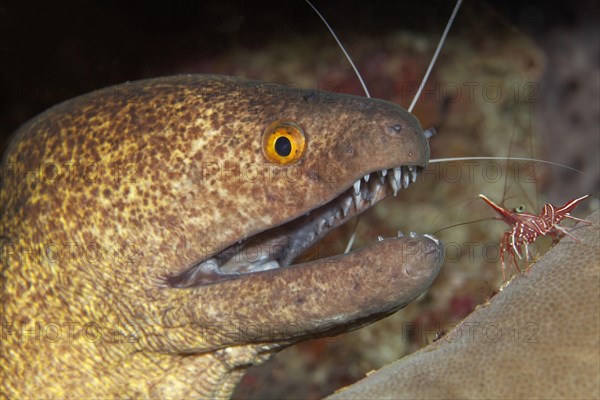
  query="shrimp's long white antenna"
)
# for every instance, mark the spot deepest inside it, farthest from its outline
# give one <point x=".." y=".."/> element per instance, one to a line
<point x="362" y="82"/>
<point x="435" y="55"/>
<point x="350" y="242"/>
<point x="423" y="82"/>
<point x="537" y="160"/>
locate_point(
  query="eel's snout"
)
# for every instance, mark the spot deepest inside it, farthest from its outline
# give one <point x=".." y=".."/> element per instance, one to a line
<point x="402" y="269"/>
<point x="429" y="249"/>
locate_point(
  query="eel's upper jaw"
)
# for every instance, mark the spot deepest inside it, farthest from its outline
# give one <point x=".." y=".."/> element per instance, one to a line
<point x="279" y="246"/>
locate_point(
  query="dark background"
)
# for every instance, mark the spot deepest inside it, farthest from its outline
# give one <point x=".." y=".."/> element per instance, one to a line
<point x="52" y="51"/>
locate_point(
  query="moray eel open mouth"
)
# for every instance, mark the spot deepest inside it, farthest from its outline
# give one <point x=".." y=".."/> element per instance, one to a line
<point x="280" y="246"/>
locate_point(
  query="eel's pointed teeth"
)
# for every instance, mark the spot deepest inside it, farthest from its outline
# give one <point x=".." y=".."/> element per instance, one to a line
<point x="413" y="173"/>
<point x="394" y="185"/>
<point x="397" y="172"/>
<point x="346" y="206"/>
<point x="436" y="240"/>
<point x="375" y="192"/>
<point x="380" y="238"/>
<point x="405" y="178"/>
<point x="357" y="199"/>
<point x="397" y="175"/>
<point x="413" y="234"/>
<point x="329" y="220"/>
<point x="400" y="234"/>
<point x="382" y="175"/>
<point x="339" y="213"/>
<point x="320" y="226"/>
<point x="366" y="177"/>
<point x="357" y="188"/>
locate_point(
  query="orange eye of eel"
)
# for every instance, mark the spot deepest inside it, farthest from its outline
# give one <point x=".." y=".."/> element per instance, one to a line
<point x="283" y="142"/>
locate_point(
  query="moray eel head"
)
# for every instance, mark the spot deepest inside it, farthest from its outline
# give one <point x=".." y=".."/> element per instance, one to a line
<point x="170" y="214"/>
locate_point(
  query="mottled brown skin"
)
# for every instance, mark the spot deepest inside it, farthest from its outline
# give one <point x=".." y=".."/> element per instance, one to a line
<point x="150" y="180"/>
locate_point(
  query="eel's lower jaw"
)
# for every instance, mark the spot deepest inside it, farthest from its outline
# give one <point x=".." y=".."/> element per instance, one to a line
<point x="280" y="246"/>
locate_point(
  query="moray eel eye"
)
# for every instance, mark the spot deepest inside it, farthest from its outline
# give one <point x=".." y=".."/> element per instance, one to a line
<point x="520" y="209"/>
<point x="283" y="142"/>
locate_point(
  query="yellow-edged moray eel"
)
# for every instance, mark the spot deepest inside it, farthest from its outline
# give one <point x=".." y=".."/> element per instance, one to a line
<point x="149" y="233"/>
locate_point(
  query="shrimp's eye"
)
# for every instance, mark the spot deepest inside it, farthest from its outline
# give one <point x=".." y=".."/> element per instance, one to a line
<point x="283" y="142"/>
<point x="520" y="209"/>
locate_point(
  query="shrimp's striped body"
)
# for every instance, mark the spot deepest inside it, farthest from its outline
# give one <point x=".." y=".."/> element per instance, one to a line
<point x="526" y="227"/>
